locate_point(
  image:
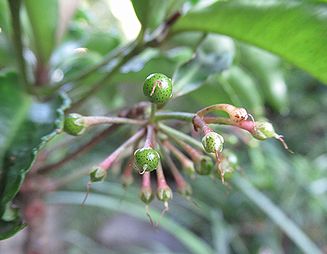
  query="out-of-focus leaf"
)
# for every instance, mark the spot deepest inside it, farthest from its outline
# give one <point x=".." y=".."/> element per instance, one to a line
<point x="100" y="42"/>
<point x="34" y="133"/>
<point x="151" y="13"/>
<point x="295" y="30"/>
<point x="190" y="240"/>
<point x="12" y="113"/>
<point x="4" y="17"/>
<point x="6" y="52"/>
<point x="266" y="69"/>
<point x="242" y="90"/>
<point x="277" y="215"/>
<point x="213" y="56"/>
<point x="43" y="17"/>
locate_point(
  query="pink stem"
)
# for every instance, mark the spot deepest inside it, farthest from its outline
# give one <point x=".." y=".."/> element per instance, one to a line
<point x="161" y="178"/>
<point x="146" y="180"/>
<point x="149" y="141"/>
<point x="107" y="163"/>
<point x="198" y="122"/>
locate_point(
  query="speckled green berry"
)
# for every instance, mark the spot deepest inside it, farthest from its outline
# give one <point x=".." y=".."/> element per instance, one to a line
<point x="212" y="142"/>
<point x="158" y="88"/>
<point x="204" y="165"/>
<point x="164" y="194"/>
<point x="74" y="124"/>
<point x="97" y="174"/>
<point x="146" y="159"/>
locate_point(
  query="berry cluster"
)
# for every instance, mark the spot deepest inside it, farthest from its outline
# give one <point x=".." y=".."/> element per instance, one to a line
<point x="178" y="152"/>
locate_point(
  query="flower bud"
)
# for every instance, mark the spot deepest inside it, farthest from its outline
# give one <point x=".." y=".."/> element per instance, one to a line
<point x="146" y="159"/>
<point x="188" y="168"/>
<point x="264" y="130"/>
<point x="185" y="190"/>
<point x="204" y="165"/>
<point x="164" y="194"/>
<point x="74" y="124"/>
<point x="97" y="174"/>
<point x="158" y="88"/>
<point x="146" y="195"/>
<point x="212" y="142"/>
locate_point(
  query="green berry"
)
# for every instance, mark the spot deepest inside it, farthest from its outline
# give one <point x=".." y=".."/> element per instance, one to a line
<point x="146" y="159"/>
<point x="146" y="195"/>
<point x="74" y="124"/>
<point x="213" y="142"/>
<point x="158" y="88"/>
<point x="164" y="194"/>
<point x="97" y="174"/>
<point x="204" y="165"/>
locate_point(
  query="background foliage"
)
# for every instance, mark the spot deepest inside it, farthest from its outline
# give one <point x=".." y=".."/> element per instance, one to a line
<point x="216" y="52"/>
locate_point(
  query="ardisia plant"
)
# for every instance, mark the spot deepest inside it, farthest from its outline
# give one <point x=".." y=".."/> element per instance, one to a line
<point x="166" y="150"/>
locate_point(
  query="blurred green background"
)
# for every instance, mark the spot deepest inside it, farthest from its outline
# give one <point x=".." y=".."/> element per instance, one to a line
<point x="284" y="208"/>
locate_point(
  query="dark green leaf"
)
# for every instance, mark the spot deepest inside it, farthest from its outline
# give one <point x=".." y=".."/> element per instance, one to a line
<point x="294" y="30"/>
<point x="34" y="133"/>
<point x="12" y="114"/>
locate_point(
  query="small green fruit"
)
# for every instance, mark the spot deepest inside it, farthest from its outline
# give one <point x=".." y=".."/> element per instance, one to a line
<point x="158" y="88"/>
<point x="164" y="194"/>
<point x="97" y="174"/>
<point x="146" y="159"/>
<point x="74" y="124"/>
<point x="146" y="195"/>
<point x="204" y="165"/>
<point x="213" y="142"/>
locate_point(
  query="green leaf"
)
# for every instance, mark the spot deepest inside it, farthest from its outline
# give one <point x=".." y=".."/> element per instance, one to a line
<point x="150" y="13"/>
<point x="242" y="89"/>
<point x="294" y="30"/>
<point x="277" y="215"/>
<point x="12" y="114"/>
<point x="214" y="55"/>
<point x="34" y="133"/>
<point x="43" y="17"/>
<point x="266" y="69"/>
<point x="4" y="17"/>
<point x="192" y="242"/>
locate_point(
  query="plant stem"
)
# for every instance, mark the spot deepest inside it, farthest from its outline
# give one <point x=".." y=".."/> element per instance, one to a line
<point x="180" y="156"/>
<point x="79" y="151"/>
<point x="127" y="56"/>
<point x="153" y="112"/>
<point x="161" y="180"/>
<point x="183" y="116"/>
<point x="113" y="157"/>
<point x="179" y="135"/>
<point x="85" y="73"/>
<point x="198" y="122"/>
<point x="149" y="141"/>
<point x="15" y="6"/>
<point x="97" y="120"/>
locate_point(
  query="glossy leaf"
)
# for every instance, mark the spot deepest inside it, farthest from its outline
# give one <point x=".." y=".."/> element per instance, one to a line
<point x="43" y="17"/>
<point x="12" y="114"/>
<point x="294" y="30"/>
<point x="34" y="133"/>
